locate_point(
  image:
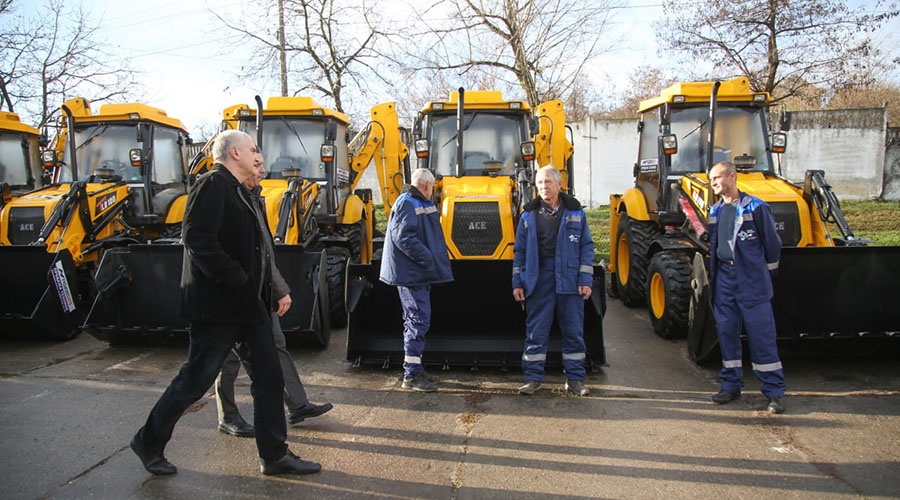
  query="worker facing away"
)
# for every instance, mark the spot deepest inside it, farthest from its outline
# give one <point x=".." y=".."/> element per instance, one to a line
<point x="415" y="256"/>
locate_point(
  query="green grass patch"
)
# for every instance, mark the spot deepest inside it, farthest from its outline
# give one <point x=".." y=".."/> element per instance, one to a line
<point x="876" y="220"/>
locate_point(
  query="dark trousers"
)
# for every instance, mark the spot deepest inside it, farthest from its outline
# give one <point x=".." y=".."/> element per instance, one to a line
<point x="294" y="393"/>
<point x="209" y="345"/>
<point x="540" y="308"/>
<point x="416" y="304"/>
<point x="732" y="316"/>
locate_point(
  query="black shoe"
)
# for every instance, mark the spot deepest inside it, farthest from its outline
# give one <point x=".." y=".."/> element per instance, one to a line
<point x="434" y="379"/>
<point x="238" y="427"/>
<point x="776" y="406"/>
<point x="308" y="410"/>
<point x="577" y="387"/>
<point x="725" y="397"/>
<point x="419" y="383"/>
<point x="530" y="387"/>
<point x="289" y="464"/>
<point x="155" y="464"/>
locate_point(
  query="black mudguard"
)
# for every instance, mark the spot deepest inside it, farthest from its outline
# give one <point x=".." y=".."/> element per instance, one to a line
<point x="474" y="322"/>
<point x="41" y="295"/>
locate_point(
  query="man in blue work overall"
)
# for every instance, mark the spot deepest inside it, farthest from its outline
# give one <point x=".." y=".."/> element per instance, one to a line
<point x="414" y="257"/>
<point x="743" y="261"/>
<point x="553" y="268"/>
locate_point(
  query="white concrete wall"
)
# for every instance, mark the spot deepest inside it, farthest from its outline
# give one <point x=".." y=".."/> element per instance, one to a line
<point x="849" y="145"/>
<point x="605" y="153"/>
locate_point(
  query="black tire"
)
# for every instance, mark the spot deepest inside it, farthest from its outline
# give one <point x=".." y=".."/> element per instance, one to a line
<point x="354" y="234"/>
<point x="336" y="259"/>
<point x="669" y="293"/>
<point x="632" y="242"/>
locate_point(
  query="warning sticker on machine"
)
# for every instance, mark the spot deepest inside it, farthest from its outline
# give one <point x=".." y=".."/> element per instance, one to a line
<point x="62" y="287"/>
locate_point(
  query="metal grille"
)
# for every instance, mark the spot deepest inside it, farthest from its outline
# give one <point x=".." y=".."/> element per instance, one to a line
<point x="476" y="227"/>
<point x="25" y="224"/>
<point x="787" y="222"/>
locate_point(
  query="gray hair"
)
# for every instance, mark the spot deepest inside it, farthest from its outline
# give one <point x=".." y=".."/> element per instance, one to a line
<point x="421" y="177"/>
<point x="225" y="140"/>
<point x="550" y="171"/>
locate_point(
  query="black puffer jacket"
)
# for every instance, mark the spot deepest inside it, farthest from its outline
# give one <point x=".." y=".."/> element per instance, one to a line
<point x="226" y="277"/>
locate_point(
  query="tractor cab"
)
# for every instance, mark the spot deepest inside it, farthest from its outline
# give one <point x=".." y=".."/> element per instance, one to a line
<point x="132" y="144"/>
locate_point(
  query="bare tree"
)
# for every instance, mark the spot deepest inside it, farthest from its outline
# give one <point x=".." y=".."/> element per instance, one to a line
<point x="318" y="45"/>
<point x="644" y="82"/>
<point x="538" y="46"/>
<point x="781" y="46"/>
<point x="875" y="95"/>
<point x="53" y="56"/>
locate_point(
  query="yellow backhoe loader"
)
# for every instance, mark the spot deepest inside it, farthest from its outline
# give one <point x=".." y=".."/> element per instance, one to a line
<point x="20" y="160"/>
<point x="318" y="220"/>
<point x="484" y="151"/>
<point x="828" y="288"/>
<point x="118" y="178"/>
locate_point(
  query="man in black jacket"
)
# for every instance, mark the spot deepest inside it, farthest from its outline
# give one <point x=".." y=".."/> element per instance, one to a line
<point x="226" y="288"/>
<point x="295" y="398"/>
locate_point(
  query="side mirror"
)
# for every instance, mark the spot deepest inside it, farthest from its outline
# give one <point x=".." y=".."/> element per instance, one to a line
<point x="330" y="131"/>
<point x="44" y="139"/>
<point x="784" y="123"/>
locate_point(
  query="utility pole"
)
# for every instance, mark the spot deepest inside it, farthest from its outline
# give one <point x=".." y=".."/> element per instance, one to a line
<point x="282" y="57"/>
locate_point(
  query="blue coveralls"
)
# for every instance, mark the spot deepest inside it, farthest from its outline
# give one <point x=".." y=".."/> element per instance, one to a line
<point x="551" y="287"/>
<point x="742" y="294"/>
<point x="414" y="257"/>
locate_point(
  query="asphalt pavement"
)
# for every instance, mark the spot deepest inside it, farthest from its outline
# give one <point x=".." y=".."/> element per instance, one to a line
<point x="648" y="430"/>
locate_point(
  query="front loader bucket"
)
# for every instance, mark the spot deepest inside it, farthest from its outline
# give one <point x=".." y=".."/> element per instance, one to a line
<point x="308" y="316"/>
<point x="139" y="294"/>
<point x="41" y="296"/>
<point x="474" y="321"/>
<point x="828" y="300"/>
<point x="846" y="295"/>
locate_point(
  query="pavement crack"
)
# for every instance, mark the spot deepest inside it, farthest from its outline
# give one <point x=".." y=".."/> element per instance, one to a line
<point x="53" y="492"/>
<point x="473" y="414"/>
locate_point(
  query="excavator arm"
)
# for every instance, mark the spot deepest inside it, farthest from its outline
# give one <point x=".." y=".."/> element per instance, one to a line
<point x="550" y="143"/>
<point x="381" y="142"/>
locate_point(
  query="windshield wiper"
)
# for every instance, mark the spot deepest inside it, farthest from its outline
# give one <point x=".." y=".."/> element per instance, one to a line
<point x="466" y="125"/>
<point x="92" y="136"/>
<point x="698" y="127"/>
<point x="296" y="134"/>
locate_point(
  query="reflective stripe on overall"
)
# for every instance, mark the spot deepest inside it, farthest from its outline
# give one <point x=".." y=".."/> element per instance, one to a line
<point x="541" y="307"/>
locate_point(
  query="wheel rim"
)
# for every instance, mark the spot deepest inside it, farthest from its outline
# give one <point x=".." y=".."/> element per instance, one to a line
<point x="623" y="259"/>
<point x="657" y="296"/>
